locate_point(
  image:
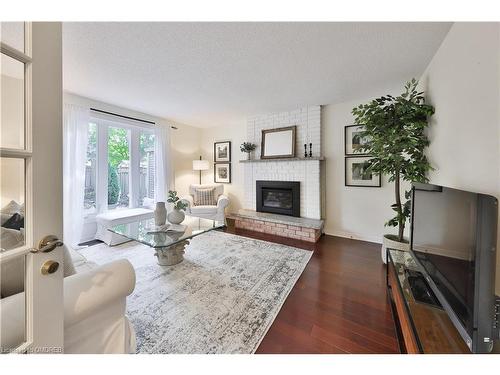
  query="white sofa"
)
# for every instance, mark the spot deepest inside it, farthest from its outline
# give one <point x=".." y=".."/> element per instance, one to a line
<point x="207" y="212"/>
<point x="94" y="309"/>
<point x="109" y="219"/>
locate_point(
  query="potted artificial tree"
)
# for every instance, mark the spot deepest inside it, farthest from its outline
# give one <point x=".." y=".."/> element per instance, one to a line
<point x="395" y="137"/>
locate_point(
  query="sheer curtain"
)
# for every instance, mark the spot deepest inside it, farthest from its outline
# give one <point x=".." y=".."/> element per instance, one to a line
<point x="164" y="170"/>
<point x="75" y="139"/>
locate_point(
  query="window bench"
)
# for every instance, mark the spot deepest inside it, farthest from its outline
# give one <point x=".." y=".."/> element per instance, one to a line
<point x="109" y="219"/>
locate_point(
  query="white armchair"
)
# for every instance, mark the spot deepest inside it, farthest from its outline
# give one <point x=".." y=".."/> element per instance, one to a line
<point x="94" y="311"/>
<point x="207" y="212"/>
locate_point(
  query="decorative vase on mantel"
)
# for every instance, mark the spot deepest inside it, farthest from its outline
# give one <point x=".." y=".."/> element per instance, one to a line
<point x="176" y="216"/>
<point x="160" y="214"/>
<point x="249" y="155"/>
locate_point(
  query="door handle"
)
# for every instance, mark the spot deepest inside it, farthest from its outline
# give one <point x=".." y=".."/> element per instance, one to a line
<point x="47" y="244"/>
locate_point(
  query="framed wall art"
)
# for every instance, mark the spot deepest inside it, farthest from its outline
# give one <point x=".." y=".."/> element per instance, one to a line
<point x="222" y="152"/>
<point x="354" y="139"/>
<point x="357" y="173"/>
<point x="222" y="173"/>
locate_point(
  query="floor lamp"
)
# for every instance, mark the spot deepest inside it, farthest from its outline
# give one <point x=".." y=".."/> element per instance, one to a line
<point x="200" y="165"/>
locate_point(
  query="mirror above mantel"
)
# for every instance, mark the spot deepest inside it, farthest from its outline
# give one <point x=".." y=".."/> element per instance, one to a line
<point x="278" y="143"/>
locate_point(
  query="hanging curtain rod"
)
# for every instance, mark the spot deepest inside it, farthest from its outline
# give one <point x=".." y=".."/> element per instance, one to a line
<point x="122" y="116"/>
<point x="127" y="117"/>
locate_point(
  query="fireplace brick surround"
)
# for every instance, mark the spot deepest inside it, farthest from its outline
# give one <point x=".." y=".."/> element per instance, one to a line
<point x="301" y="170"/>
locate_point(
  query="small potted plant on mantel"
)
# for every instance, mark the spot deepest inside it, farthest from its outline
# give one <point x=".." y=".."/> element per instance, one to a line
<point x="248" y="148"/>
<point x="395" y="131"/>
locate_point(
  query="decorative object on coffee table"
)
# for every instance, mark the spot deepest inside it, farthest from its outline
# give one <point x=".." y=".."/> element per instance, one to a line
<point x="248" y="147"/>
<point x="160" y="213"/>
<point x="176" y="216"/>
<point x="395" y="136"/>
<point x="222" y="152"/>
<point x="222" y="173"/>
<point x="278" y="143"/>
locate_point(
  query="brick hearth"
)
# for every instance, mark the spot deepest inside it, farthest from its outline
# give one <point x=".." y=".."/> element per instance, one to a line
<point x="279" y="225"/>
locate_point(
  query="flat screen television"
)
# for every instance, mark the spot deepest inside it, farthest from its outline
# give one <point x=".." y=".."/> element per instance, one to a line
<point x="454" y="238"/>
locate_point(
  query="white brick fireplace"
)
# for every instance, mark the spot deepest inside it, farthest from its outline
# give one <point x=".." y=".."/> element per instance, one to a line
<point x="306" y="171"/>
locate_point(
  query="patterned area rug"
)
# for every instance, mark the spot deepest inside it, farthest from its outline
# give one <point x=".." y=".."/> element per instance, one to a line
<point x="221" y="299"/>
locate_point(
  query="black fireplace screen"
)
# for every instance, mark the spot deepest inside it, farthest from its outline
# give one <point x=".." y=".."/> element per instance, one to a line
<point x="277" y="198"/>
<point x="280" y="197"/>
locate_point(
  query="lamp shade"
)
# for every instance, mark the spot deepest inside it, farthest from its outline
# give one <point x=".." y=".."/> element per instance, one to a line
<point x="200" y="165"/>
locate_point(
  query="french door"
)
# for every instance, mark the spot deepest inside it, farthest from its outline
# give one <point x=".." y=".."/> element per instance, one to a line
<point x="31" y="260"/>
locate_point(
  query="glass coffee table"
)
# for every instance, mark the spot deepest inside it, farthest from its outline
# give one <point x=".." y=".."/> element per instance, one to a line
<point x="169" y="246"/>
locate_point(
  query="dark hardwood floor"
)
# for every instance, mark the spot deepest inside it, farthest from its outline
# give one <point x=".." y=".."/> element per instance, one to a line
<point x="339" y="304"/>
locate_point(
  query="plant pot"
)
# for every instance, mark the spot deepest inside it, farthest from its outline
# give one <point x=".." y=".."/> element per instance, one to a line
<point x="176" y="216"/>
<point x="160" y="214"/>
<point x="249" y="155"/>
<point x="391" y="241"/>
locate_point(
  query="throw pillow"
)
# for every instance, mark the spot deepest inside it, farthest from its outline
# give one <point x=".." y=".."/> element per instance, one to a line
<point x="15" y="222"/>
<point x="205" y="197"/>
<point x="11" y="208"/>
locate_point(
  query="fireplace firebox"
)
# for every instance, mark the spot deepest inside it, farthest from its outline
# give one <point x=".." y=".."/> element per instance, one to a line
<point x="278" y="197"/>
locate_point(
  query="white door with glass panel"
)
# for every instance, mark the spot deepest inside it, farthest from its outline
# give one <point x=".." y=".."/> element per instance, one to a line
<point x="31" y="273"/>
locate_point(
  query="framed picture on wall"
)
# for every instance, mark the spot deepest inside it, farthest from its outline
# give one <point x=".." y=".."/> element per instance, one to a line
<point x="222" y="173"/>
<point x="222" y="151"/>
<point x="354" y="139"/>
<point x="357" y="173"/>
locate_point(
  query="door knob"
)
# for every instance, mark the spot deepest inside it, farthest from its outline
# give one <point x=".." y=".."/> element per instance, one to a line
<point x="47" y="244"/>
<point x="49" y="267"/>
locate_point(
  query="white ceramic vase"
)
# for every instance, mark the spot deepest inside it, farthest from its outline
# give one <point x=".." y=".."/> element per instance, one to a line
<point x="160" y="214"/>
<point x="176" y="216"/>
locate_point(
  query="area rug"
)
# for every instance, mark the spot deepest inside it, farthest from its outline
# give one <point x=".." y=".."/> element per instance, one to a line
<point x="221" y="299"/>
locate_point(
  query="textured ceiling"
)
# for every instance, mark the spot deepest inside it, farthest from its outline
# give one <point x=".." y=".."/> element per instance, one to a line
<point x="210" y="74"/>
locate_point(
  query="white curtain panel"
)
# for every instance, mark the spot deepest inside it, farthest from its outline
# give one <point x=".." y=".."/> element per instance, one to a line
<point x="75" y="138"/>
<point x="164" y="169"/>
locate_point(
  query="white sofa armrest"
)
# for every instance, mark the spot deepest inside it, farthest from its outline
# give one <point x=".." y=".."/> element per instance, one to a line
<point x="222" y="203"/>
<point x="87" y="293"/>
<point x="189" y="200"/>
<point x="97" y="296"/>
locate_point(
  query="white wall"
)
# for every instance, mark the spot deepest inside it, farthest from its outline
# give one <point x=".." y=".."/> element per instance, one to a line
<point x="236" y="133"/>
<point x="462" y="82"/>
<point x="353" y="212"/>
<point x="185" y="147"/>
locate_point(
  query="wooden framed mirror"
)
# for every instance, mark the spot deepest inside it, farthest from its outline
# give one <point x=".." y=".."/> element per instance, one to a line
<point x="278" y="143"/>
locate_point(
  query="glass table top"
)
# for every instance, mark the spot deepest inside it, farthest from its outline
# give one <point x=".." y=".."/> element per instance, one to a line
<point x="141" y="231"/>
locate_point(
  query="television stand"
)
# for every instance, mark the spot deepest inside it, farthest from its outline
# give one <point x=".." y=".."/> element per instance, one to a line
<point x="421" y="327"/>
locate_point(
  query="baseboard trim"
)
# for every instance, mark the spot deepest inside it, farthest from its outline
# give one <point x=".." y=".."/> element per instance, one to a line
<point x="355" y="236"/>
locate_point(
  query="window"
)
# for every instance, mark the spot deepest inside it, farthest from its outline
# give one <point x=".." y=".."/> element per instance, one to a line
<point x="120" y="167"/>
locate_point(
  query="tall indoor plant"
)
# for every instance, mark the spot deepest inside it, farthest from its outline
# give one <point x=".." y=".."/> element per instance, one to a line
<point x="394" y="130"/>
